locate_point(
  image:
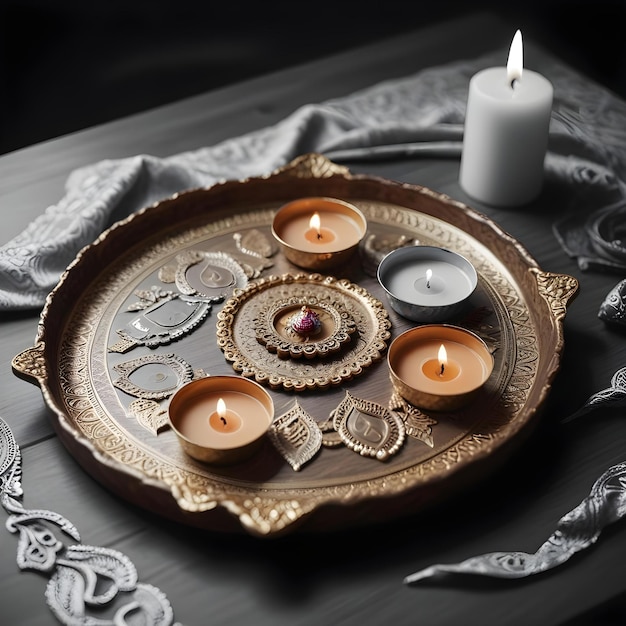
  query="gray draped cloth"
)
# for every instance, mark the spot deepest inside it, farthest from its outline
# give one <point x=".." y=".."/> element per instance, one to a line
<point x="422" y="112"/>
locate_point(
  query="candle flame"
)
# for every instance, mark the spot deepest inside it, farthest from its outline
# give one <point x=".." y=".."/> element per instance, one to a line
<point x="315" y="223"/>
<point x="515" y="62"/>
<point x="221" y="408"/>
<point x="442" y="356"/>
<point x="429" y="275"/>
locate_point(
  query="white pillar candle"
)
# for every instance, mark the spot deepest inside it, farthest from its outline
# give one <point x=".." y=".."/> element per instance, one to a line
<point x="506" y="132"/>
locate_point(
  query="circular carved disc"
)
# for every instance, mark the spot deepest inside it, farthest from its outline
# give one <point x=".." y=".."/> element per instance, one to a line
<point x="255" y="306"/>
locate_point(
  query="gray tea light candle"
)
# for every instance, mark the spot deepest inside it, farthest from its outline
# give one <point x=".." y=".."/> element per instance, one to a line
<point x="427" y="283"/>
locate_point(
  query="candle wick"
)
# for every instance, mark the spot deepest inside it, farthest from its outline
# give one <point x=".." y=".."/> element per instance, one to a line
<point x="442" y="369"/>
<point x="319" y="235"/>
<point x="428" y="283"/>
<point x="223" y="420"/>
<point x="513" y="83"/>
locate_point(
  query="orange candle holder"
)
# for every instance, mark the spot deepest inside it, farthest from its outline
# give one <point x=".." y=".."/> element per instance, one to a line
<point x="439" y="366"/>
<point x="221" y="419"/>
<point x="318" y="233"/>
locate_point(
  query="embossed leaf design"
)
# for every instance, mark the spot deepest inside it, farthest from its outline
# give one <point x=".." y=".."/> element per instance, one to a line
<point x="148" y="297"/>
<point x="417" y="424"/>
<point x="297" y="436"/>
<point x="149" y="414"/>
<point x="167" y="274"/>
<point x="368" y="428"/>
<point x="255" y="243"/>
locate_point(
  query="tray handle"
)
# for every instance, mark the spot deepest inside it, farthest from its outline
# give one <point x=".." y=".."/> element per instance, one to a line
<point x="312" y="165"/>
<point x="31" y="365"/>
<point x="557" y="290"/>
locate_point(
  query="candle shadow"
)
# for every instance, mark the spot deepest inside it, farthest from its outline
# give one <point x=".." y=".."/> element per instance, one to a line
<point x="261" y="466"/>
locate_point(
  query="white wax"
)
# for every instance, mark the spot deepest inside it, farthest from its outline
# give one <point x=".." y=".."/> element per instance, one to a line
<point x="505" y="137"/>
<point x="448" y="283"/>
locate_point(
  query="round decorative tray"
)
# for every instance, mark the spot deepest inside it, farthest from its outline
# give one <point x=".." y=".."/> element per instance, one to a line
<point x="171" y="294"/>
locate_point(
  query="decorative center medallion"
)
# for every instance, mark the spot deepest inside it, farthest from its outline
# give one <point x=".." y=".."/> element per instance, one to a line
<point x="303" y="326"/>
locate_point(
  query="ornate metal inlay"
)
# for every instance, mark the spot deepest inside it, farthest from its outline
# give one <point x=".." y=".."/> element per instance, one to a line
<point x="416" y="423"/>
<point x="557" y="289"/>
<point x="374" y="247"/>
<point x="31" y="362"/>
<point x="84" y="581"/>
<point x="277" y="326"/>
<point x="254" y="306"/>
<point x="152" y="376"/>
<point x="166" y="317"/>
<point x="296" y="436"/>
<point x="205" y="274"/>
<point x="368" y="428"/>
<point x="253" y="242"/>
<point x="313" y="166"/>
<point x="150" y="414"/>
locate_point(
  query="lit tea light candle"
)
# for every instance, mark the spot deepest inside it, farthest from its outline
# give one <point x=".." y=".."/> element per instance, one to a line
<point x="506" y="132"/>
<point x="317" y="233"/>
<point x="426" y="283"/>
<point x="221" y="419"/>
<point x="441" y="369"/>
<point x="438" y="366"/>
<point x="429" y="275"/>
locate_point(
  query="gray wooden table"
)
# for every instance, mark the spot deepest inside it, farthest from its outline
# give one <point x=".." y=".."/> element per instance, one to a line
<point x="352" y="577"/>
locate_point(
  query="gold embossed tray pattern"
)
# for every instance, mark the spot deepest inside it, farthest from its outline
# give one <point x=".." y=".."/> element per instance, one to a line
<point x="110" y="312"/>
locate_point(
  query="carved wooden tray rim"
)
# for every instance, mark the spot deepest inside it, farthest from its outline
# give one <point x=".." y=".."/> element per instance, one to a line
<point x="199" y="499"/>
